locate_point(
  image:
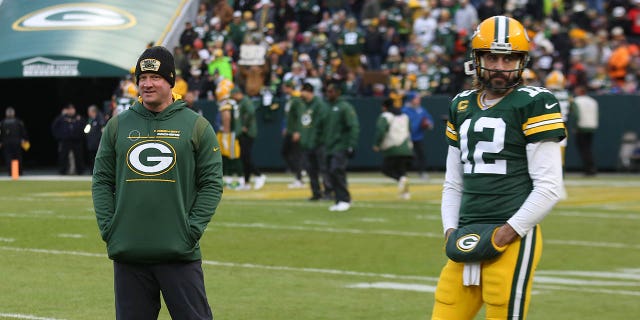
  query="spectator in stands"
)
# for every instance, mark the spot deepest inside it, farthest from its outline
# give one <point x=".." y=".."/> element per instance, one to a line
<point x="351" y="44"/>
<point x="420" y="120"/>
<point x="221" y="64"/>
<point x="13" y="139"/>
<point x="373" y="45"/>
<point x="307" y="13"/>
<point x="620" y="58"/>
<point x="466" y="17"/>
<point x="181" y="87"/>
<point x="67" y="129"/>
<point x="236" y="29"/>
<point x="424" y="27"/>
<point x="188" y="36"/>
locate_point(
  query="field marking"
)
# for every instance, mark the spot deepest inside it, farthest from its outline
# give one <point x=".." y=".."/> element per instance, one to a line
<point x="589" y="290"/>
<point x="70" y="235"/>
<point x="25" y="316"/>
<point x="393" y="286"/>
<point x="617" y="216"/>
<point x="547" y="282"/>
<point x="593" y="244"/>
<point x="7" y="239"/>
<point x="376" y="220"/>
<point x="626" y="274"/>
<point x="578" y="243"/>
<point x="328" y="229"/>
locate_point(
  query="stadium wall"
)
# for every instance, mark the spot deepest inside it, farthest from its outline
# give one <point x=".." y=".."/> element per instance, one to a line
<point x="618" y="114"/>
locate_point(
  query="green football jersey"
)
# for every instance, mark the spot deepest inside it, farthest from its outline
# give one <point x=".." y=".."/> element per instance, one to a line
<point x="492" y="145"/>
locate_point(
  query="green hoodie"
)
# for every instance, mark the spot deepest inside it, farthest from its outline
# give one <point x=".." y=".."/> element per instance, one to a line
<point x="156" y="184"/>
<point x="341" y="128"/>
<point x="312" y="119"/>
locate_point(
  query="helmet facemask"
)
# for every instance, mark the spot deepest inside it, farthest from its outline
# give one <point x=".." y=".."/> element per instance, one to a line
<point x="512" y="77"/>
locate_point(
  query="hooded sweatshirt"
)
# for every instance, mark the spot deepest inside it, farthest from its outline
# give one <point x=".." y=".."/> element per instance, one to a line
<point x="156" y="184"/>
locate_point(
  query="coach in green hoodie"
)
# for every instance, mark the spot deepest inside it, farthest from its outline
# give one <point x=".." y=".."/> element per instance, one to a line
<point x="157" y="182"/>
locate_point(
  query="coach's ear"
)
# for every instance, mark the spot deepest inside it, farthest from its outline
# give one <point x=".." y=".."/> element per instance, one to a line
<point x="473" y="243"/>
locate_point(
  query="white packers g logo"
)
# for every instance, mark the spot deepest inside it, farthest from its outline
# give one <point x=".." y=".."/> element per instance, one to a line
<point x="151" y="157"/>
<point x="468" y="242"/>
<point x="306" y="119"/>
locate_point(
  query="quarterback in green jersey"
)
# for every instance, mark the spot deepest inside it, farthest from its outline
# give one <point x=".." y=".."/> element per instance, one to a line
<point x="503" y="176"/>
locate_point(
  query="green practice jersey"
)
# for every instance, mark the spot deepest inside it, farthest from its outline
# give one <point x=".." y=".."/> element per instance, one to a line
<point x="492" y="145"/>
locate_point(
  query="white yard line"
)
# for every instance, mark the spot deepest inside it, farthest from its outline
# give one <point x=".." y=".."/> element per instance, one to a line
<point x="545" y="282"/>
<point x="25" y="316"/>
<point x="264" y="226"/>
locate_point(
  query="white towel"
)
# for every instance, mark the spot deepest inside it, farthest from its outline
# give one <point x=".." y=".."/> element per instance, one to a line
<point x="471" y="274"/>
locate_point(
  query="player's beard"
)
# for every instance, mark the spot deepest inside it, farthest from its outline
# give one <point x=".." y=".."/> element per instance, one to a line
<point x="500" y="82"/>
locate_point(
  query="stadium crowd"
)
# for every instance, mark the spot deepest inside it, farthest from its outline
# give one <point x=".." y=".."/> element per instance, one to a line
<point x="386" y="47"/>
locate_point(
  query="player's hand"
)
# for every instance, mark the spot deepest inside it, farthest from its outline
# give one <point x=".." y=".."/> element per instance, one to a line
<point x="505" y="235"/>
<point x="448" y="233"/>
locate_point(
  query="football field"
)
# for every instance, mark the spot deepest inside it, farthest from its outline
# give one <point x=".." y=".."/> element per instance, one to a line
<point x="270" y="254"/>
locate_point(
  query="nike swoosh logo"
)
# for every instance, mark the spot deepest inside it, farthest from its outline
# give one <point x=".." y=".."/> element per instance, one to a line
<point x="549" y="106"/>
<point x="216" y="149"/>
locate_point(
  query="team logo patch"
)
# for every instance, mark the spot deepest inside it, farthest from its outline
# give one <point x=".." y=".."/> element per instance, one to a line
<point x="468" y="242"/>
<point x="149" y="65"/>
<point x="151" y="158"/>
<point x="306" y="119"/>
<point x="463" y="105"/>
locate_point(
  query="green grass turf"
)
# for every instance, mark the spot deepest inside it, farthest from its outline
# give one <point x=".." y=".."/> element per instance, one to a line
<point x="270" y="254"/>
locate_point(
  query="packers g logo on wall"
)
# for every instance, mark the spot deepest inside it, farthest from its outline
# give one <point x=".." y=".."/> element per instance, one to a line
<point x="468" y="242"/>
<point x="81" y="15"/>
<point x="151" y="158"/>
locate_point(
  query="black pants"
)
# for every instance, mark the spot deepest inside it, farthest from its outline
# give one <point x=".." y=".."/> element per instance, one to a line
<point x="137" y="288"/>
<point x="246" y="155"/>
<point x="584" y="141"/>
<point x="91" y="157"/>
<point x="337" y="164"/>
<point x="12" y="151"/>
<point x="292" y="156"/>
<point x="65" y="147"/>
<point x="395" y="166"/>
<point x="314" y="163"/>
<point x="419" y="156"/>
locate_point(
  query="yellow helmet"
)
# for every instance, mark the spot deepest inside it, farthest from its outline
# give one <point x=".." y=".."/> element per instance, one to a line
<point x="529" y="75"/>
<point x="555" y="80"/>
<point x="502" y="35"/>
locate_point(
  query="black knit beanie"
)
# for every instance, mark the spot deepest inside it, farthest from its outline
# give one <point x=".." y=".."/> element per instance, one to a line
<point x="157" y="60"/>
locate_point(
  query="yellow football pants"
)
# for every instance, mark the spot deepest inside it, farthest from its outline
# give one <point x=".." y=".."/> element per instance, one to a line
<point x="505" y="284"/>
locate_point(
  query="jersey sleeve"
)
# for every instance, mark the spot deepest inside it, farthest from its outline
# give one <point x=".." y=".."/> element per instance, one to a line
<point x="543" y="119"/>
<point x="451" y="131"/>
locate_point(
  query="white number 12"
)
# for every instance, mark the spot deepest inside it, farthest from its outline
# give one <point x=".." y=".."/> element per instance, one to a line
<point x="494" y="146"/>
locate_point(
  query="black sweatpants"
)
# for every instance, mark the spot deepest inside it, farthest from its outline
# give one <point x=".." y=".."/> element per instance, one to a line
<point x="138" y="286"/>
<point x="395" y="166"/>
<point x="246" y="155"/>
<point x="337" y="163"/>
